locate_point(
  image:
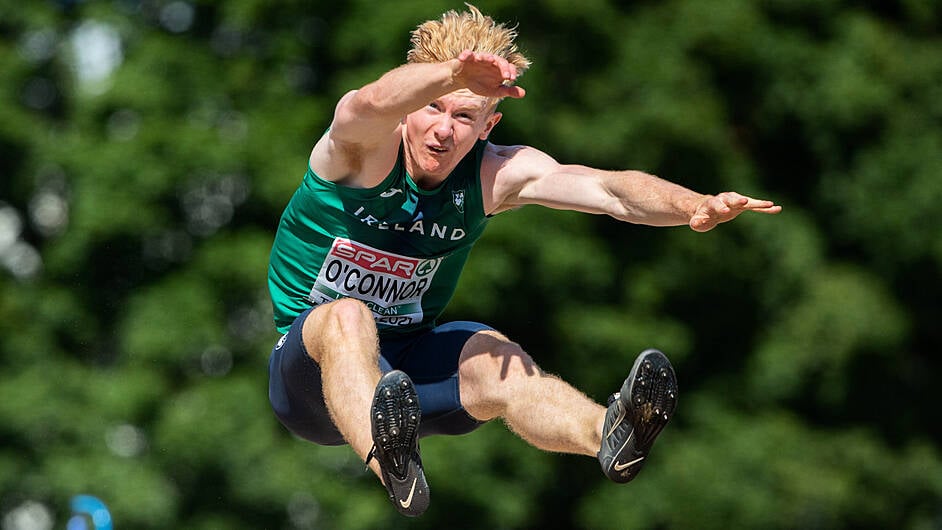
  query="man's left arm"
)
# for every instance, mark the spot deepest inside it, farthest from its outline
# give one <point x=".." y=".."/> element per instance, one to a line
<point x="518" y="175"/>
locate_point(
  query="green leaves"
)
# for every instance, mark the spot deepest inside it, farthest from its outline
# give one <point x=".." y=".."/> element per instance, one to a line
<point x="842" y="314"/>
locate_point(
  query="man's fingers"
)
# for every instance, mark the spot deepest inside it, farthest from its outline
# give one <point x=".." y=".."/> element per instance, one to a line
<point x="702" y="224"/>
<point x="507" y="69"/>
<point x="718" y="205"/>
<point x="741" y="202"/>
<point x="757" y="203"/>
<point x="726" y="207"/>
<point x="515" y="92"/>
<point x="732" y="199"/>
<point x="762" y="206"/>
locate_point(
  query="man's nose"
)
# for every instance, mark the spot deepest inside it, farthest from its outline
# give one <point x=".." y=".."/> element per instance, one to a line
<point x="444" y="127"/>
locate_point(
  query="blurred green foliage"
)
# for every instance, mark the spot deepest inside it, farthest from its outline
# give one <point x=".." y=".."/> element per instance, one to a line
<point x="148" y="146"/>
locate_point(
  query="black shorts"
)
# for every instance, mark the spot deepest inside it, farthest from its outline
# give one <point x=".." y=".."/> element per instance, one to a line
<point x="429" y="357"/>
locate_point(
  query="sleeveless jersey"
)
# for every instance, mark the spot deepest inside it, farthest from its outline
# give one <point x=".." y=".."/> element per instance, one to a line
<point x="396" y="247"/>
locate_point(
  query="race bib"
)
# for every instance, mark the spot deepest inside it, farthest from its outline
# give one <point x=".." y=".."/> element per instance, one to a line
<point x="391" y="285"/>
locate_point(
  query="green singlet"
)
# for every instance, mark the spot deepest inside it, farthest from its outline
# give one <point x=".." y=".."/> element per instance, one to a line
<point x="396" y="247"/>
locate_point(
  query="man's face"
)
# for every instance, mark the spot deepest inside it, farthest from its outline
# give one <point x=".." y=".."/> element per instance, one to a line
<point x="439" y="135"/>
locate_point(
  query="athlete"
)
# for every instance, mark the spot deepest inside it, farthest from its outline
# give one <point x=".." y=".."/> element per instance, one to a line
<point x="370" y="247"/>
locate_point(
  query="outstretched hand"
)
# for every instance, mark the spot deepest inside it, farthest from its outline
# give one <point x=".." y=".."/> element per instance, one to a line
<point x="726" y="206"/>
<point x="488" y="75"/>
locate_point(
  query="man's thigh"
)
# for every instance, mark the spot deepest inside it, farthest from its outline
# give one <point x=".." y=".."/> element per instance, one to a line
<point x="295" y="389"/>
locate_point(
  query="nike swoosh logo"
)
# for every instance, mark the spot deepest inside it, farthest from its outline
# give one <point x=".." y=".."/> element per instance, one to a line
<point x="622" y="467"/>
<point x="621" y="416"/>
<point x="408" y="502"/>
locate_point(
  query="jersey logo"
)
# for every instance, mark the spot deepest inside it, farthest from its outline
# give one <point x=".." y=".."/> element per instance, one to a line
<point x="457" y="196"/>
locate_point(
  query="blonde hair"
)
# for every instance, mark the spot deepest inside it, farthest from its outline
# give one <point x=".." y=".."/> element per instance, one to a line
<point x="436" y="41"/>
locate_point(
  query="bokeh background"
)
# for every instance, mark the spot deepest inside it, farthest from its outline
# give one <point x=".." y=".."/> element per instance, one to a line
<point x="147" y="148"/>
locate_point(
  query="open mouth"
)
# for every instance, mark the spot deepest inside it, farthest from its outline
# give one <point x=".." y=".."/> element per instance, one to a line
<point x="437" y="149"/>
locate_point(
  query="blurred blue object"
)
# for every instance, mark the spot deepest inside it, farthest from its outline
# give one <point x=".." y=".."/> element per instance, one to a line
<point x="94" y="508"/>
<point x="77" y="522"/>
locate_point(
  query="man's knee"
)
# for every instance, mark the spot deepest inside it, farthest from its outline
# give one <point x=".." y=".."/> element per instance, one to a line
<point x="339" y="322"/>
<point x="490" y="355"/>
<point x="490" y="369"/>
<point x="348" y="313"/>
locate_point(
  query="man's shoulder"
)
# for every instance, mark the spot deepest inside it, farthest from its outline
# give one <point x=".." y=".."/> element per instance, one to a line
<point x="511" y="160"/>
<point x="502" y="151"/>
<point x="496" y="156"/>
<point x="506" y="169"/>
<point x="351" y="164"/>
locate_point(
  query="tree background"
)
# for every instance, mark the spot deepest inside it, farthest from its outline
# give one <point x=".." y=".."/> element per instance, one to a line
<point x="147" y="148"/>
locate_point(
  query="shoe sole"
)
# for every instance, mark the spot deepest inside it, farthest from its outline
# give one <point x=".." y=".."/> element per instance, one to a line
<point x="649" y="396"/>
<point x="395" y="416"/>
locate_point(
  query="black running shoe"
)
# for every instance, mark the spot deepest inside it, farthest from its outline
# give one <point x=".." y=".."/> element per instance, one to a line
<point x="636" y="415"/>
<point x="395" y="416"/>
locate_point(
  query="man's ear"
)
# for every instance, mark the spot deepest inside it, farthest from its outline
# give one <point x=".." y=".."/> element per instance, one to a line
<point x="491" y="122"/>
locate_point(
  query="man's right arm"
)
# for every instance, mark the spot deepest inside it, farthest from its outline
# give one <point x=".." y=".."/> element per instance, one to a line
<point x="365" y="127"/>
<point x="366" y="121"/>
<point x="367" y="116"/>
